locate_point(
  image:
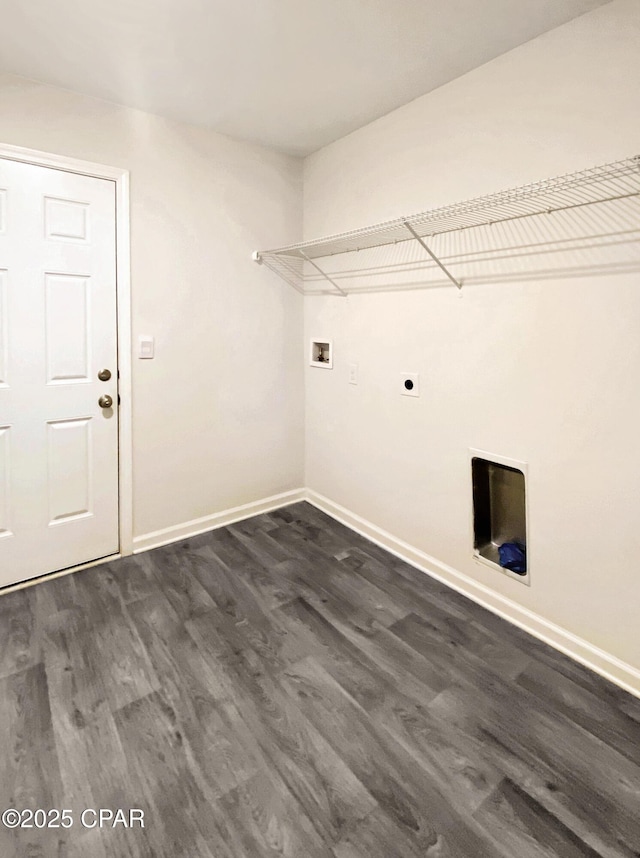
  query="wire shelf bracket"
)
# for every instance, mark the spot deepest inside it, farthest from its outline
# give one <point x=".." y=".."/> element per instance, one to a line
<point x="595" y="210"/>
<point x="422" y="242"/>
<point x="323" y="273"/>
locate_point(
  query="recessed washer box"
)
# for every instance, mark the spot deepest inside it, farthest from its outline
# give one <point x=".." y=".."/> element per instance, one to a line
<point x="321" y="353"/>
<point x="499" y="509"/>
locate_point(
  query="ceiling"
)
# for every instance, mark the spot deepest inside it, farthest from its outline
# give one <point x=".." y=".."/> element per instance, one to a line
<point x="290" y="74"/>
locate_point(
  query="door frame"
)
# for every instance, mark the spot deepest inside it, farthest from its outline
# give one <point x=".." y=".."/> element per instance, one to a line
<point x="123" y="327"/>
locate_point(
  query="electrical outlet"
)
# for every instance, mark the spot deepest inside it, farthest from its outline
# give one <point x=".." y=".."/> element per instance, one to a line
<point x="409" y="384"/>
<point x="353" y="373"/>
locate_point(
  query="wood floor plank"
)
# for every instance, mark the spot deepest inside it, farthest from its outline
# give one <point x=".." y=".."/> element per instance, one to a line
<point x="246" y="621"/>
<point x="264" y="821"/>
<point x="284" y="687"/>
<point x="260" y="545"/>
<point x="29" y="779"/>
<point x="561" y="694"/>
<point x="19" y="644"/>
<point x="180" y="582"/>
<point x="162" y="776"/>
<point x="371" y="682"/>
<point x="327" y="790"/>
<point x="87" y="784"/>
<point x="135" y="576"/>
<point x="83" y="682"/>
<point x="377" y="836"/>
<point x="195" y="689"/>
<point x="230" y="549"/>
<point x="516" y="821"/>
<point x="360" y="594"/>
<point x="452" y="645"/>
<point x="461" y="773"/>
<point x="407" y="795"/>
<point x="414" y="674"/>
<point x="540" y="784"/>
<point x="598" y="785"/>
<point x="411" y="590"/>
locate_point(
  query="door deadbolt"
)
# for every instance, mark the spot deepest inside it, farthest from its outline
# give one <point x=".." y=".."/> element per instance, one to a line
<point x="105" y="401"/>
<point x="104" y="374"/>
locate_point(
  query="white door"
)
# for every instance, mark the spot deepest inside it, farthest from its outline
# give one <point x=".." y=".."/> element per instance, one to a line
<point x="58" y="446"/>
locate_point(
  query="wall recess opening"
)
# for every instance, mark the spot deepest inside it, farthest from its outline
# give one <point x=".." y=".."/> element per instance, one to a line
<point x="321" y="353"/>
<point x="500" y="514"/>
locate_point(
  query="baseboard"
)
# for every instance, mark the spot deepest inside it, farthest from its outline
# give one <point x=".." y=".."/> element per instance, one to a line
<point x="218" y="519"/>
<point x="601" y="662"/>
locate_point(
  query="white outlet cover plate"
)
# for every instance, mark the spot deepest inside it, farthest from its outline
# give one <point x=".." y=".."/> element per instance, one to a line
<point x="410" y="384"/>
<point x="353" y="373"/>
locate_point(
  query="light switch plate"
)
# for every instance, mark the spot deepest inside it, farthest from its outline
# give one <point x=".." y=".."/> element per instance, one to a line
<point x="146" y="348"/>
<point x="353" y="373"/>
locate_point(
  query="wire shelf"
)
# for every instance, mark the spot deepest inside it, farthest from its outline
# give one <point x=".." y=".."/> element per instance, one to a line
<point x="581" y="223"/>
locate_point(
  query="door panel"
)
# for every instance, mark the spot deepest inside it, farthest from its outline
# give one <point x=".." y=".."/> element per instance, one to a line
<point x="69" y="469"/>
<point x="68" y="328"/>
<point x="4" y="321"/>
<point x="58" y="447"/>
<point x="66" y="220"/>
<point x="5" y="464"/>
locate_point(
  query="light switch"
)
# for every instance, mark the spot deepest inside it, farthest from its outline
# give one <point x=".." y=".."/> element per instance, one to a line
<point x="146" y="348"/>
<point x="353" y="373"/>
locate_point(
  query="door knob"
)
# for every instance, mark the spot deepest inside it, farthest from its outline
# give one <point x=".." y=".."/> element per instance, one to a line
<point x="105" y="401"/>
<point x="104" y="374"/>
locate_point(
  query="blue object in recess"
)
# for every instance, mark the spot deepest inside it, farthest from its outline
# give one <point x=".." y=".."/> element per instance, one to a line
<point x="513" y="556"/>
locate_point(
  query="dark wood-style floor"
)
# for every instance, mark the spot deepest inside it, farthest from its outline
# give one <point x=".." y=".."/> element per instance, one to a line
<point x="283" y="687"/>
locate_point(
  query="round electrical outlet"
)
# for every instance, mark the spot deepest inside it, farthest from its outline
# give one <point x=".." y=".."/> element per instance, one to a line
<point x="410" y="382"/>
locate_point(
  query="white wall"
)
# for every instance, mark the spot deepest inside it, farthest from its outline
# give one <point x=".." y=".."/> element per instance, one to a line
<point x="218" y="415"/>
<point x="545" y="372"/>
